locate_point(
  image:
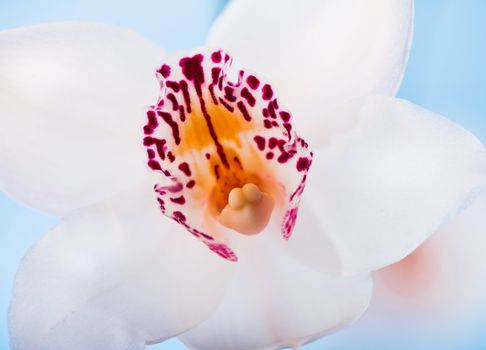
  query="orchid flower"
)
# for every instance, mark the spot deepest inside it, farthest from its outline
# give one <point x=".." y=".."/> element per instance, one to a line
<point x="237" y="206"/>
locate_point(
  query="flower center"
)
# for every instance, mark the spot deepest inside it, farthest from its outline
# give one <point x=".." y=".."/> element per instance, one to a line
<point x="223" y="165"/>
<point x="228" y="156"/>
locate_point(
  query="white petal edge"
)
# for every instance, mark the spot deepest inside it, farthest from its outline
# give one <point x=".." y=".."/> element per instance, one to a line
<point x="273" y="301"/>
<point x="116" y="275"/>
<point x="380" y="188"/>
<point x="443" y="282"/>
<point x="72" y="98"/>
<point x="319" y="53"/>
<point x="434" y="298"/>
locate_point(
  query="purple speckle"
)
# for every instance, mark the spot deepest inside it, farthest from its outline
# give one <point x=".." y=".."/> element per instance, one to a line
<point x="216" y="57"/>
<point x="175" y="105"/>
<point x="284" y="158"/>
<point x="267" y="92"/>
<point x="289" y="222"/>
<point x="223" y="250"/>
<point x="272" y="143"/>
<point x="229" y="93"/>
<point x="253" y="82"/>
<point x="215" y="74"/>
<point x="185" y="93"/>
<point x="184" y="167"/>
<point x="164" y="70"/>
<point x="173" y="85"/>
<point x="150" y="153"/>
<point x="151" y="124"/>
<point x="178" y="200"/>
<point x="303" y="164"/>
<point x="173" y="125"/>
<point x="246" y="94"/>
<point x="260" y="141"/>
<point x="191" y="184"/>
<point x="241" y="106"/>
<point x="170" y="156"/>
<point x="226" y="105"/>
<point x="285" y="116"/>
<point x="192" y="69"/>
<point x="179" y="217"/>
<point x="154" y="165"/>
<point x="182" y="114"/>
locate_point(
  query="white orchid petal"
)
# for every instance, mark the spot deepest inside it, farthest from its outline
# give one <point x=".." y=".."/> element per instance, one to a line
<point x="443" y="282"/>
<point x="382" y="187"/>
<point x="309" y="244"/>
<point x="319" y="53"/>
<point x="114" y="276"/>
<point x="273" y="301"/>
<point x="434" y="298"/>
<point x="72" y="98"/>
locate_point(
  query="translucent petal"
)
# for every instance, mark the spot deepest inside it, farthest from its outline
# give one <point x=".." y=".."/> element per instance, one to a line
<point x="273" y="301"/>
<point x="114" y="276"/>
<point x="382" y="187"/>
<point x="72" y="97"/>
<point x="442" y="282"/>
<point x="432" y="299"/>
<point x="319" y="53"/>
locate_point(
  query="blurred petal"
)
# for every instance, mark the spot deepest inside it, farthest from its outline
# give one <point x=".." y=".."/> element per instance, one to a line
<point x="382" y="187"/>
<point x="446" y="275"/>
<point x="319" y="54"/>
<point x="273" y="301"/>
<point x="434" y="298"/>
<point x="114" y="276"/>
<point x="72" y="97"/>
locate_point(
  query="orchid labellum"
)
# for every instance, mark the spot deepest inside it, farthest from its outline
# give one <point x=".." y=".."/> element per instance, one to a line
<point x="235" y="205"/>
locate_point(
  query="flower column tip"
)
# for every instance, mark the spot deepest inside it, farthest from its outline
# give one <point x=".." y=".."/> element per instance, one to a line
<point x="248" y="210"/>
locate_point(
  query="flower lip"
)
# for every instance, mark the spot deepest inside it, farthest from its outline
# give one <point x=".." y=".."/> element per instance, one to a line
<point x="227" y="151"/>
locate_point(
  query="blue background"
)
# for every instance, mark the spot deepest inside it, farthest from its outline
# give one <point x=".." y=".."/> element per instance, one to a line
<point x="446" y="74"/>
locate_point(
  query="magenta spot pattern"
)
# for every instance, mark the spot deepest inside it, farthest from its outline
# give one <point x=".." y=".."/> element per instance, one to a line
<point x="190" y="84"/>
